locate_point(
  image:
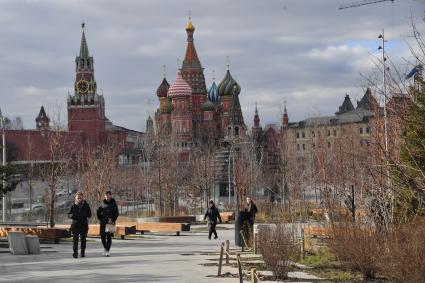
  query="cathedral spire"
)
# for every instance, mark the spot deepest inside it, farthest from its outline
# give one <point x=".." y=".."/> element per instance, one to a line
<point x="256" y="117"/>
<point x="191" y="57"/>
<point x="84" y="50"/>
<point x="285" y="117"/>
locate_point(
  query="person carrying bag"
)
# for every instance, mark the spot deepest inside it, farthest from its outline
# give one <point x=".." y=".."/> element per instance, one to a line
<point x="107" y="214"/>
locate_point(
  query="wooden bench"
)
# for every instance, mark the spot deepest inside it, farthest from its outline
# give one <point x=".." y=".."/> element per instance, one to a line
<point x="44" y="233"/>
<point x="227" y="216"/>
<point x="163" y="227"/>
<point x="178" y="219"/>
<point x="313" y="236"/>
<point x="94" y="229"/>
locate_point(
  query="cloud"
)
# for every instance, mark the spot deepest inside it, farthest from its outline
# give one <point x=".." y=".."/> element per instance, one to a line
<point x="305" y="52"/>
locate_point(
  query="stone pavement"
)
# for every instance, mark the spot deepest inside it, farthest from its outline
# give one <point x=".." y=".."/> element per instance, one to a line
<point x="153" y="258"/>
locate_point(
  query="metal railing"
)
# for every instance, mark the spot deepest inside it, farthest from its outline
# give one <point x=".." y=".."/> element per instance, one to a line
<point x="225" y="250"/>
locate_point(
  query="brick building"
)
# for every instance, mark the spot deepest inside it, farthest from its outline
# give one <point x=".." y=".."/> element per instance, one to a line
<point x="87" y="124"/>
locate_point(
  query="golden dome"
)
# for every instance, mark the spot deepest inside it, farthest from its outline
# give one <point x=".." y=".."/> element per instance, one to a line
<point x="190" y="26"/>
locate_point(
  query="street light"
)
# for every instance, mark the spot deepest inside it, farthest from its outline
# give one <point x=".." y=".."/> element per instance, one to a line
<point x="384" y="90"/>
<point x="3" y="136"/>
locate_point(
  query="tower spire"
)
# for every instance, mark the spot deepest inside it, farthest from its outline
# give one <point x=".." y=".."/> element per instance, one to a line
<point x="84" y="50"/>
<point x="191" y="57"/>
<point x="256" y="117"/>
<point x="285" y="117"/>
<point x="164" y="71"/>
<point x="228" y="63"/>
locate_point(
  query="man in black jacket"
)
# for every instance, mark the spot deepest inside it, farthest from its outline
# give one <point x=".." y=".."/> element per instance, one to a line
<point x="79" y="212"/>
<point x="212" y="214"/>
<point x="107" y="213"/>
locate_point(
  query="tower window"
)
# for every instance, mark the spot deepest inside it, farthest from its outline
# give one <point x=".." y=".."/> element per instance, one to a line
<point x="298" y="147"/>
<point x="303" y="135"/>
<point x="361" y="131"/>
<point x="334" y="133"/>
<point x="298" y="135"/>
<point x="303" y="146"/>
<point x="329" y="144"/>
<point x="368" y="130"/>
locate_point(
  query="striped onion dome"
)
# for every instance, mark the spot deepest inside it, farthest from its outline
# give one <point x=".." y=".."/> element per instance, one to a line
<point x="163" y="88"/>
<point x="228" y="86"/>
<point x="213" y="94"/>
<point x="179" y="87"/>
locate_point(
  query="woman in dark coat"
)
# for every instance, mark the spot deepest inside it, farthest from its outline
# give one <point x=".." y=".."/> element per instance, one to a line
<point x="107" y="213"/>
<point x="79" y="212"/>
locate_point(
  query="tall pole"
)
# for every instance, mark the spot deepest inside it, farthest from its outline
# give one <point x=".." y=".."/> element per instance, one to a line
<point x="384" y="91"/>
<point x="159" y="179"/>
<point x="228" y="173"/>
<point x="3" y="136"/>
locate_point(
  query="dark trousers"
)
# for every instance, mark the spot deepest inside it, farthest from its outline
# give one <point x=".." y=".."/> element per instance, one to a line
<point x="106" y="240"/>
<point x="75" y="236"/>
<point x="212" y="230"/>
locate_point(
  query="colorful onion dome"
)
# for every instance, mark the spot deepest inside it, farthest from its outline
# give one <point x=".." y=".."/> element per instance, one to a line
<point x="162" y="90"/>
<point x="213" y="94"/>
<point x="228" y="86"/>
<point x="179" y="87"/>
<point x="167" y="107"/>
<point x="190" y="26"/>
<point x="208" y="105"/>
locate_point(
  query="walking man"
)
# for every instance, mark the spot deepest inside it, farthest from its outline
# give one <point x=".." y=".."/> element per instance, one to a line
<point x="107" y="213"/>
<point x="79" y="212"/>
<point x="212" y="214"/>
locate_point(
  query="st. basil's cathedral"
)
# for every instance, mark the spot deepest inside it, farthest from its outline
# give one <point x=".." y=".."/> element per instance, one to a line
<point x="189" y="115"/>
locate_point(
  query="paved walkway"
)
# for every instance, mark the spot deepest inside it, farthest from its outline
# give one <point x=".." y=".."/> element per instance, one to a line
<point x="153" y="258"/>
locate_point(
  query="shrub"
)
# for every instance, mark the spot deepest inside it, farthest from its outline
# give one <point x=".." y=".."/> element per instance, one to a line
<point x="358" y="247"/>
<point x="403" y="255"/>
<point x="277" y="246"/>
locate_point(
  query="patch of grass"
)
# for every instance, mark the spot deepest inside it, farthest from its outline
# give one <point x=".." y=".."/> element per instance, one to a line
<point x="336" y="275"/>
<point x="322" y="257"/>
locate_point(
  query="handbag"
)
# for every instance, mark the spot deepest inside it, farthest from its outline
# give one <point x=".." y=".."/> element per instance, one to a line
<point x="110" y="228"/>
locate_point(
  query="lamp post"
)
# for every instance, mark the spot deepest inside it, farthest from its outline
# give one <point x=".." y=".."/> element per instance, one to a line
<point x="384" y="89"/>
<point x="3" y="136"/>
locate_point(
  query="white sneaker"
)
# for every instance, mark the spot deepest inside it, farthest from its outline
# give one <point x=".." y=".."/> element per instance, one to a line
<point x="104" y="252"/>
<point x="107" y="254"/>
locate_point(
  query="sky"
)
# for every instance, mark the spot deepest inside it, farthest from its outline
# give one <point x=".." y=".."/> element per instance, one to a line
<point x="305" y="52"/>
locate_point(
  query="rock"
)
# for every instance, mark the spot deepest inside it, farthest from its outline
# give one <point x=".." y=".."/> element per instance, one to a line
<point x="17" y="243"/>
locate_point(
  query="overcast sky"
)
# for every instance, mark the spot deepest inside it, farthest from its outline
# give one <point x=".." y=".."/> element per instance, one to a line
<point x="306" y="52"/>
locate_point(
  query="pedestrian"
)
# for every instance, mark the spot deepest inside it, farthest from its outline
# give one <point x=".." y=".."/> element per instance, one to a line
<point x="79" y="212"/>
<point x="212" y="214"/>
<point x="248" y="227"/>
<point x="107" y="213"/>
<point x="251" y="209"/>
